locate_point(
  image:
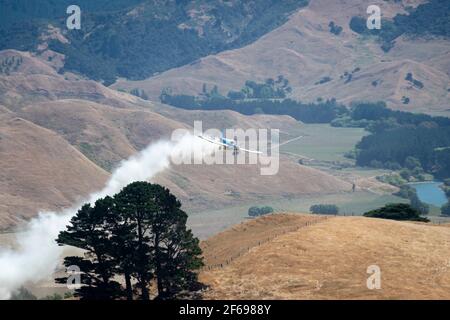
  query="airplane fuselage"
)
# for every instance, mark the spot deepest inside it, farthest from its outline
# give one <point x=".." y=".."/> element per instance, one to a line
<point x="229" y="142"/>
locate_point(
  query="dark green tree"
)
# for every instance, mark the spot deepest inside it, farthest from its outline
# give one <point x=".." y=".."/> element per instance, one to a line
<point x="135" y="204"/>
<point x="396" y="211"/>
<point x="87" y="231"/>
<point x="139" y="234"/>
<point x="162" y="239"/>
<point x="324" y="209"/>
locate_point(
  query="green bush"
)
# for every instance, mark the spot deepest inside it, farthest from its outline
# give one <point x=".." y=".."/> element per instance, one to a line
<point x="324" y="209"/>
<point x="392" y="179"/>
<point x="396" y="211"/>
<point x="259" y="211"/>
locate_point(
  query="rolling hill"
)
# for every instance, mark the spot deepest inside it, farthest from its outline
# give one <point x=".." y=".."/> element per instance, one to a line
<point x="40" y="170"/>
<point x="305" y="52"/>
<point x="291" y="258"/>
<point x="165" y="34"/>
<point x="62" y="135"/>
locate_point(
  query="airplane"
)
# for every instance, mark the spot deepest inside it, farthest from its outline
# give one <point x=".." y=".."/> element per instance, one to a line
<point x="228" y="144"/>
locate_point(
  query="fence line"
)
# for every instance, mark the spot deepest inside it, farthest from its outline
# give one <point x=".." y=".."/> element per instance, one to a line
<point x="261" y="242"/>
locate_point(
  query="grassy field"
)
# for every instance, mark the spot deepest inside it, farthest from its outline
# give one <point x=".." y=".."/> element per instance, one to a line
<point x="323" y="142"/>
<point x="206" y="223"/>
<point x="327" y="145"/>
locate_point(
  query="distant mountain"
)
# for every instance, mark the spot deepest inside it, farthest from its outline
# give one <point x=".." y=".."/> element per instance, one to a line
<point x="136" y="39"/>
<point x="323" y="63"/>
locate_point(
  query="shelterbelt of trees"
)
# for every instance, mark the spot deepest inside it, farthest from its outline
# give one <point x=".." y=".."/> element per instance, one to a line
<point x="416" y="142"/>
<point x="268" y="97"/>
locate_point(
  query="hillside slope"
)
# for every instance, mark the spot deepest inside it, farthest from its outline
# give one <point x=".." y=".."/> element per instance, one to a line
<point x="74" y="132"/>
<point x="329" y="259"/>
<point x="40" y="170"/>
<point x="164" y="34"/>
<point x="305" y="52"/>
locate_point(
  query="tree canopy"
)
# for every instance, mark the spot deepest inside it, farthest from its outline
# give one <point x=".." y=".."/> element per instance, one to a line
<point x="139" y="234"/>
<point x="396" y="211"/>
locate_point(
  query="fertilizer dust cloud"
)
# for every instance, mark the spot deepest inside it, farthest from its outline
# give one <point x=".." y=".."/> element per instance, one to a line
<point x="37" y="255"/>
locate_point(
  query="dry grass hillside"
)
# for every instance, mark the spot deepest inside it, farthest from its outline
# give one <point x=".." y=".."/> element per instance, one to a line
<point x="40" y="170"/>
<point x="61" y="137"/>
<point x="328" y="259"/>
<point x="305" y="51"/>
<point x="216" y="186"/>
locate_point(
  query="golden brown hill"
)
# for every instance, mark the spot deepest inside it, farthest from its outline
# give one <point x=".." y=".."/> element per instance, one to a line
<point x="40" y="170"/>
<point x="329" y="260"/>
<point x="304" y="51"/>
<point x="102" y="127"/>
<point x="216" y="186"/>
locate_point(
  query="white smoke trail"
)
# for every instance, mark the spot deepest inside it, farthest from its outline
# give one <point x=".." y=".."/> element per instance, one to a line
<point x="38" y="255"/>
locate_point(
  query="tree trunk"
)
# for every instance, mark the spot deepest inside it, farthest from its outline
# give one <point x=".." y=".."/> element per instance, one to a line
<point x="145" y="295"/>
<point x="129" y="289"/>
<point x="158" y="267"/>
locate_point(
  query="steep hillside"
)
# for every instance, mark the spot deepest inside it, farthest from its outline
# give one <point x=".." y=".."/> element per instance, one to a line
<point x="240" y="184"/>
<point x="164" y="34"/>
<point x="26" y="78"/>
<point x="328" y="259"/>
<point x="40" y="170"/>
<point x="305" y="52"/>
<point x="74" y="132"/>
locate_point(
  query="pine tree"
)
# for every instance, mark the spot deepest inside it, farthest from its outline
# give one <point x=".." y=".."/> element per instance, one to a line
<point x="139" y="234"/>
<point x="87" y="231"/>
<point x="166" y="250"/>
<point x="175" y="250"/>
<point x="134" y="204"/>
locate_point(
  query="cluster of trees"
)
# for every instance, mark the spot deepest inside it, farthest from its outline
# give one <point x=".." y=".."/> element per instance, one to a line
<point x="138" y="235"/>
<point x="139" y="93"/>
<point x="10" y="64"/>
<point x="418" y="84"/>
<point x="270" y="89"/>
<point x="259" y="211"/>
<point x="431" y="18"/>
<point x="396" y="147"/>
<point x="415" y="144"/>
<point x="320" y="112"/>
<point x="324" y="209"/>
<point x="334" y="28"/>
<point x="396" y="211"/>
<point x="408" y="192"/>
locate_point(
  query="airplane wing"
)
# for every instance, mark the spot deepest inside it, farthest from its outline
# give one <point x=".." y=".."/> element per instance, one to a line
<point x="227" y="146"/>
<point x="213" y="141"/>
<point x="250" y="151"/>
